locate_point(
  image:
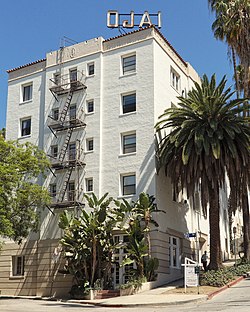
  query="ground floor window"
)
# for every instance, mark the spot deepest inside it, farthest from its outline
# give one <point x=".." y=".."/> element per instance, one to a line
<point x="174" y="252"/>
<point x="18" y="265"/>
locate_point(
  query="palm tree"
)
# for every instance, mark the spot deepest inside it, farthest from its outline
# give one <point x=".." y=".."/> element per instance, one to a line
<point x="209" y="138"/>
<point x="232" y="24"/>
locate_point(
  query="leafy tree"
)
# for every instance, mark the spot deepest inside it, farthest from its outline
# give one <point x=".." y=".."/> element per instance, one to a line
<point x="88" y="240"/>
<point x="20" y="166"/>
<point x="209" y="139"/>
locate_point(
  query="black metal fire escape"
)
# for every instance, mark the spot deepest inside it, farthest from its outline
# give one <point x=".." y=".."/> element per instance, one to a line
<point x="62" y="126"/>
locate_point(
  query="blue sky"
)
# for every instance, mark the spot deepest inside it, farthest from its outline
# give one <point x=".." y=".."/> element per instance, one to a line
<point x="30" y="28"/>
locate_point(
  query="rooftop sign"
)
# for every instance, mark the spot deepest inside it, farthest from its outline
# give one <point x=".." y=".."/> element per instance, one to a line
<point x="115" y="19"/>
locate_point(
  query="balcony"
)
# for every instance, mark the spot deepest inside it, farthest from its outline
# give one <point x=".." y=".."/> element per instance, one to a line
<point x="71" y="159"/>
<point x="69" y="122"/>
<point x="62" y="84"/>
<point x="66" y="199"/>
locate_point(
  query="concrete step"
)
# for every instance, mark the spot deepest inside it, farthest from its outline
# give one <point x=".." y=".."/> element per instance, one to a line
<point x="105" y="294"/>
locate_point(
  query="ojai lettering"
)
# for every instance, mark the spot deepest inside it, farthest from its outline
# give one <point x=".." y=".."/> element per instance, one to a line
<point x="145" y="19"/>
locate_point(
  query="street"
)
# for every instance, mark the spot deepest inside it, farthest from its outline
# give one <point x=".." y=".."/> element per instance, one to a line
<point x="230" y="300"/>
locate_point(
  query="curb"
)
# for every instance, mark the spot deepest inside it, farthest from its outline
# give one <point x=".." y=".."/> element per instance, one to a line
<point x="230" y="284"/>
<point x="131" y="305"/>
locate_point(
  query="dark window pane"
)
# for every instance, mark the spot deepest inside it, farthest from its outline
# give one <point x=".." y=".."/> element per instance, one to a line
<point x="129" y="64"/>
<point x="91" y="69"/>
<point x="26" y="127"/>
<point x="129" y="143"/>
<point x="89" y="185"/>
<point x="73" y="75"/>
<point x="90" y="107"/>
<point x="27" y="93"/>
<point x="129" y="185"/>
<point x="90" y="145"/>
<point x="129" y="103"/>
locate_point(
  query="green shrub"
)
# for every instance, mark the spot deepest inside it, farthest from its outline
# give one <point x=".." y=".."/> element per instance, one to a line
<point x="216" y="278"/>
<point x="223" y="276"/>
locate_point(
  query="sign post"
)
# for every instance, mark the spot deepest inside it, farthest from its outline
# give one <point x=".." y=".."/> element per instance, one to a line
<point x="191" y="273"/>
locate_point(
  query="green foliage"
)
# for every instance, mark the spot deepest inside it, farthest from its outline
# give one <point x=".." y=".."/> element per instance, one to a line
<point x="134" y="283"/>
<point x="223" y="276"/>
<point x="20" y="196"/>
<point x="87" y="242"/>
<point x="151" y="267"/>
<point x="209" y="141"/>
<point x="216" y="278"/>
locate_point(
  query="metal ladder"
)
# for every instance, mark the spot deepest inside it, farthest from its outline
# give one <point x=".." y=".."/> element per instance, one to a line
<point x="66" y="106"/>
<point x="65" y="145"/>
<point x="66" y="182"/>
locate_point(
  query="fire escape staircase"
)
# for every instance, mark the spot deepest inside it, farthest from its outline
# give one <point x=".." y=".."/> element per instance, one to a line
<point x="60" y="125"/>
<point x="65" y="184"/>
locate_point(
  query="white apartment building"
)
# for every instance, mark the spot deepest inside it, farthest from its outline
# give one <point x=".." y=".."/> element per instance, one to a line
<point x="92" y="108"/>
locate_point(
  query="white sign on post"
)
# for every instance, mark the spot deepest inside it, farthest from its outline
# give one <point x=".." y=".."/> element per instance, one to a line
<point x="191" y="278"/>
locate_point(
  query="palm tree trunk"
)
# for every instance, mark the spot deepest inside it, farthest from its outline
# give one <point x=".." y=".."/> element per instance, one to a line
<point x="246" y="227"/>
<point x="214" y="224"/>
<point x="236" y="76"/>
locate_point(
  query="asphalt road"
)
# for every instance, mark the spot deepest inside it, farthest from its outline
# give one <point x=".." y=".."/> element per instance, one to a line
<point x="234" y="299"/>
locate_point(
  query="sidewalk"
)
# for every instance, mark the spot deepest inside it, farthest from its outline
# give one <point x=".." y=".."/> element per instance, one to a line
<point x="154" y="297"/>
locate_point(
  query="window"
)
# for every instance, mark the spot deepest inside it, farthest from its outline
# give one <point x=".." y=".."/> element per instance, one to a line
<point x="73" y="75"/>
<point x="129" y="64"/>
<point x="72" y="112"/>
<point x="26" y="127"/>
<point x="18" y="265"/>
<point x="57" y="78"/>
<point x="55" y="114"/>
<point x="128" y="143"/>
<point x="174" y="251"/>
<point x="90" y="106"/>
<point x="91" y="69"/>
<point x="128" y="103"/>
<point x="72" y="151"/>
<point x="54" y="151"/>
<point x="90" y="144"/>
<point x="52" y="190"/>
<point x="128" y="184"/>
<point x="175" y="79"/>
<point x="71" y="191"/>
<point x="89" y="185"/>
<point x="26" y="92"/>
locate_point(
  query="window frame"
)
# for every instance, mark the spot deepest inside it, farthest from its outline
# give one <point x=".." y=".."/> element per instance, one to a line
<point x="126" y="146"/>
<point x="18" y="267"/>
<point x="52" y="190"/>
<point x="123" y="105"/>
<point x="174" y="75"/>
<point x="73" y="74"/>
<point x="22" y="129"/>
<point x="87" y="185"/>
<point x="133" y="65"/>
<point x="71" y="192"/>
<point x="174" y="252"/>
<point x="72" y="152"/>
<point x="93" y="106"/>
<point x="54" y="151"/>
<point x="30" y="97"/>
<point x="89" y="65"/>
<point x="89" y="148"/>
<point x="123" y="185"/>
